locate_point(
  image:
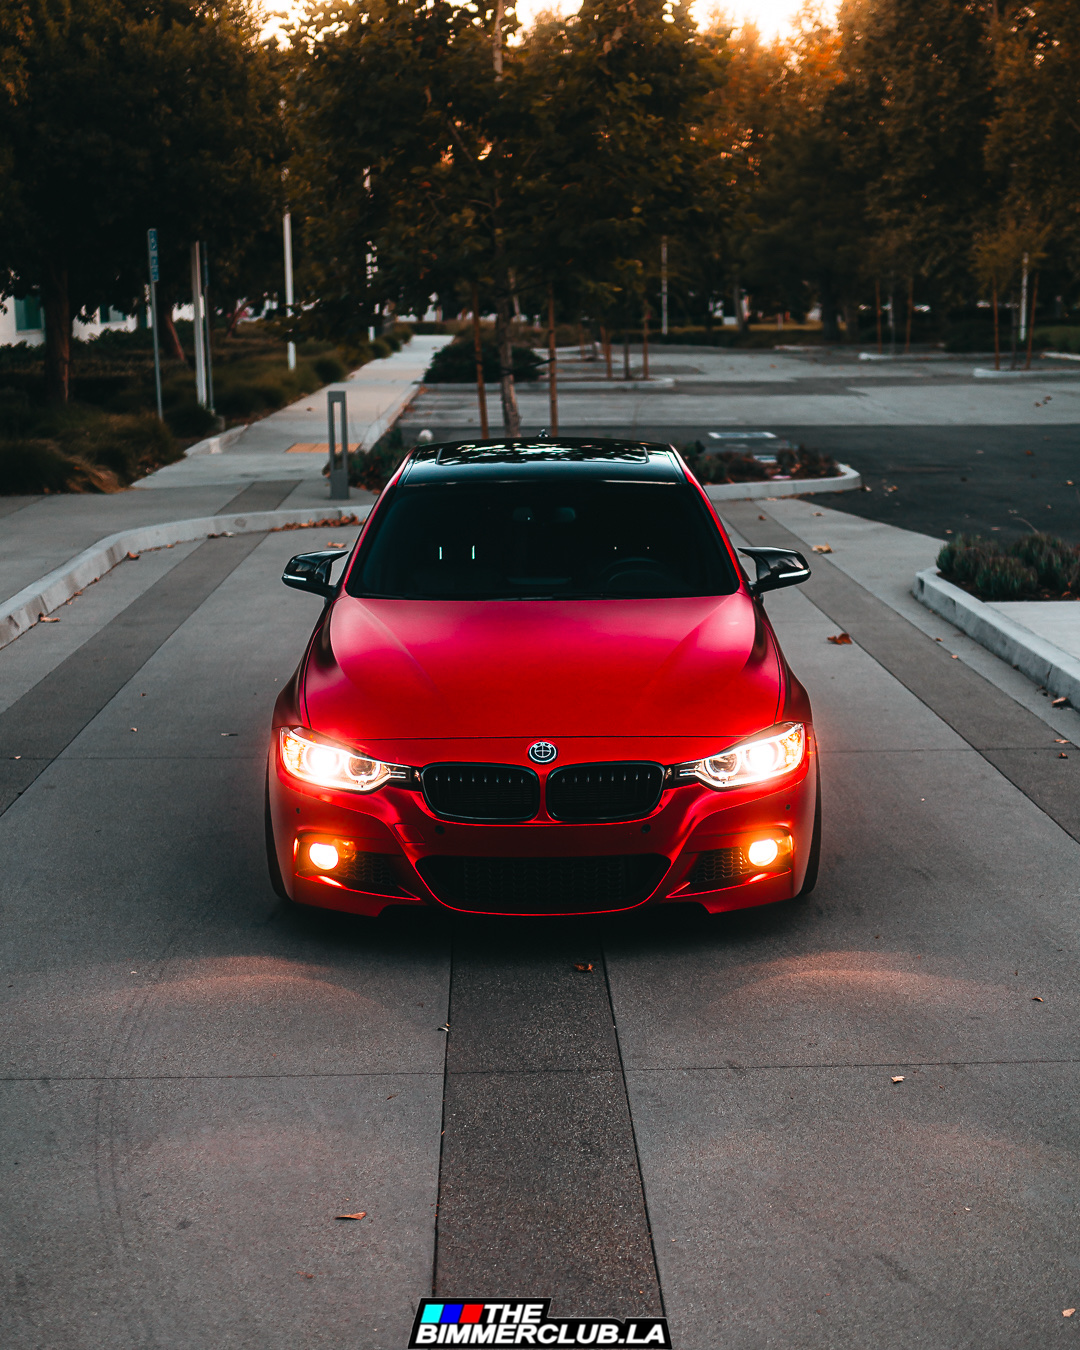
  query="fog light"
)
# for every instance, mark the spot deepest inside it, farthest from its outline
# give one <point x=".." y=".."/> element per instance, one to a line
<point x="761" y="852"/>
<point x="325" y="856"/>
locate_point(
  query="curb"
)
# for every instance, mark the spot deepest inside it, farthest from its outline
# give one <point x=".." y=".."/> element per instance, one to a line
<point x="24" y="609"/>
<point x="1063" y="356"/>
<point x="848" y="481"/>
<point x="988" y="373"/>
<point x="213" y="445"/>
<point x="1025" y="651"/>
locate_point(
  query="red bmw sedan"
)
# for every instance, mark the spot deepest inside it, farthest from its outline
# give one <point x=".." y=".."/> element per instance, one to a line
<point x="543" y="685"/>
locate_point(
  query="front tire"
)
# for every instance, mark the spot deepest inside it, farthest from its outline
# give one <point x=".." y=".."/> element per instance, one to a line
<point x="814" y="861"/>
<point x="276" y="880"/>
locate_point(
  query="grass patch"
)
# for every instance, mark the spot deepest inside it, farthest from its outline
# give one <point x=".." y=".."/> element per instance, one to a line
<point x="1037" y="567"/>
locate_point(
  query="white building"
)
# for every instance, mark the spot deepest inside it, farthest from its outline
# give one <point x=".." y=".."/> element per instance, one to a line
<point x="23" y="321"/>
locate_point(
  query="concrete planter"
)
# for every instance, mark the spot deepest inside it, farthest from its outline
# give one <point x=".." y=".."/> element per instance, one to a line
<point x="847" y="481"/>
<point x="1038" y="659"/>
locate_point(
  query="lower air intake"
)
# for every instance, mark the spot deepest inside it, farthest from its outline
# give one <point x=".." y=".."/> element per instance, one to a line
<point x="543" y="885"/>
<point x="720" y="867"/>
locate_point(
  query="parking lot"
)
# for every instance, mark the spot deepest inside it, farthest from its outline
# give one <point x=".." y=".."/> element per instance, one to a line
<point x="843" y="1122"/>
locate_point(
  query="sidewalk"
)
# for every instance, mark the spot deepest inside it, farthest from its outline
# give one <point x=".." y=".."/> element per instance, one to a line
<point x="38" y="534"/>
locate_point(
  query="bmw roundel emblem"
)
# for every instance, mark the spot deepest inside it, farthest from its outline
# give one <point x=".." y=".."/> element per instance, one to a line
<point x="542" y="752"/>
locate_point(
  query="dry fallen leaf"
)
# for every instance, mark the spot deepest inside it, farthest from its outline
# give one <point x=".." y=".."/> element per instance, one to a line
<point x="361" y="1215"/>
<point x="840" y="639"/>
<point x="1059" y="741"/>
<point x="1036" y="999"/>
<point x="583" y="965"/>
<point x="1062" y="755"/>
<point x="823" y="548"/>
<point x="1059" y="703"/>
<point x="1067" y="1312"/>
<point x="44" y="618"/>
<point x="761" y="517"/>
<point x="133" y="556"/>
<point x="334" y="543"/>
<point x="305" y="1275"/>
<point x="955" y="657"/>
<point x="899" y="1078"/>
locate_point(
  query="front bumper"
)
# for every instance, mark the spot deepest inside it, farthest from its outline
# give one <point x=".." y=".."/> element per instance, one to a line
<point x="690" y="848"/>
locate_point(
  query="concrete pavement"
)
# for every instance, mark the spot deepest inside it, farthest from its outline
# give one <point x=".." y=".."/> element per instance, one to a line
<point x="195" y="1082"/>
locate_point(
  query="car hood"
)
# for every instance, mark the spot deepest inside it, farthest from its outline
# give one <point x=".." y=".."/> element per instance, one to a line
<point x="383" y="670"/>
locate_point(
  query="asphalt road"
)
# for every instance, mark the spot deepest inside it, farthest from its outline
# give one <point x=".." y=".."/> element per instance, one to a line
<point x="707" y="1122"/>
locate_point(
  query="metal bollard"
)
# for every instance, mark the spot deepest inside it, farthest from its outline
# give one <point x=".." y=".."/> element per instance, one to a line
<point x="339" y="462"/>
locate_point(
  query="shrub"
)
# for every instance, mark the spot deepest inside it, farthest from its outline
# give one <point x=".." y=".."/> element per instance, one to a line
<point x="741" y="466"/>
<point x="373" y="469"/>
<point x="1003" y="578"/>
<point x="330" y="369"/>
<point x="456" y="363"/>
<point x="190" y="419"/>
<point x="963" y="556"/>
<point x="33" y="466"/>
<point x="1036" y="561"/>
<point x="1056" y="338"/>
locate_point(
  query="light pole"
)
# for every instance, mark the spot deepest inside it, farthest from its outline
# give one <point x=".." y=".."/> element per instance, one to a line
<point x="198" y="332"/>
<point x="286" y="226"/>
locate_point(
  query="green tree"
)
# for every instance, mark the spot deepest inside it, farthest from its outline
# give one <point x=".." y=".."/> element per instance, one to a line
<point x="120" y="115"/>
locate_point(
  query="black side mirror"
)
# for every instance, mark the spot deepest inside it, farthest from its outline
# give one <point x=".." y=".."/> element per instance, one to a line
<point x="776" y="567"/>
<point x="311" y="571"/>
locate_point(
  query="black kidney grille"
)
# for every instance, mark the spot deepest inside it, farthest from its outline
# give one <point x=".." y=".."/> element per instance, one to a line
<point x="720" y="867"/>
<point x="543" y="885"/>
<point x="598" y="792"/>
<point x="489" y="792"/>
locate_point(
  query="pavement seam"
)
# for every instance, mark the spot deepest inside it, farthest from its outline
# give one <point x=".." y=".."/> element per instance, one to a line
<point x="442" y="1119"/>
<point x="633" y="1134"/>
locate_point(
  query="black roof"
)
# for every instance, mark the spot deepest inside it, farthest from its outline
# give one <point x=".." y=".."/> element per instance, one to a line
<point x="525" y="457"/>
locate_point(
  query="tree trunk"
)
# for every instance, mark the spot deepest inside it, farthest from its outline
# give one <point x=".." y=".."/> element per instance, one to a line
<point x="171" y="333"/>
<point x="740" y="321"/>
<point x="830" y="327"/>
<point x="553" y="382"/>
<point x="626" y="353"/>
<point x="511" y="416"/>
<point x="1031" y="320"/>
<point x="877" y="310"/>
<point x="57" y="306"/>
<point x="997" y="336"/>
<point x="481" y="392"/>
<point x="645" y="344"/>
<point x="910" y="314"/>
<point x="605" y="342"/>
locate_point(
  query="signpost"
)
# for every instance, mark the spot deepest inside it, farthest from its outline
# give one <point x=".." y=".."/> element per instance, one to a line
<point x="339" y="465"/>
<point x="152" y="251"/>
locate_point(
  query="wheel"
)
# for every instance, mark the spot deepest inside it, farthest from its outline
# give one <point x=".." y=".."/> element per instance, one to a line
<point x="271" y="852"/>
<point x="810" y="880"/>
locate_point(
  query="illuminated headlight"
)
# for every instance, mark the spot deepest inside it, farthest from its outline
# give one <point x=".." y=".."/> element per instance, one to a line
<point x="328" y="765"/>
<point x="756" y="760"/>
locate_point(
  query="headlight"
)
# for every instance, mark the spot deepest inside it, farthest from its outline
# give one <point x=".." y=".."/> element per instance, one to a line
<point x="329" y="765"/>
<point x="756" y="760"/>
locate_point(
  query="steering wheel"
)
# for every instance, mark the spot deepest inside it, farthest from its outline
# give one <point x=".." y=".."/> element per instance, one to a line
<point x="620" y="565"/>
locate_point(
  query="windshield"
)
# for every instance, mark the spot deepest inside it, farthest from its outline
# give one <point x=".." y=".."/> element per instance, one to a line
<point x="577" y="538"/>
